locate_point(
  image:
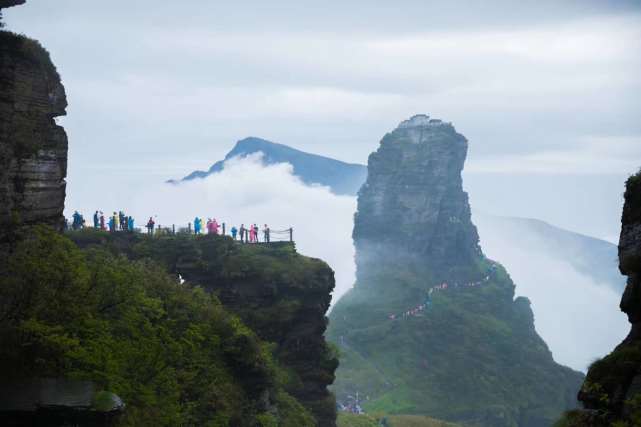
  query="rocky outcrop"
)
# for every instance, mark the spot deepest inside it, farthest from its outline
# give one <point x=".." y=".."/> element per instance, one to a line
<point x="9" y="3"/>
<point x="412" y="206"/>
<point x="432" y="326"/>
<point x="630" y="256"/>
<point x="284" y="301"/>
<point x="611" y="393"/>
<point x="281" y="295"/>
<point x="33" y="148"/>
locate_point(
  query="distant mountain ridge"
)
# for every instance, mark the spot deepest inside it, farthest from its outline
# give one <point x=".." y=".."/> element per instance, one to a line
<point x="588" y="255"/>
<point x="341" y="177"/>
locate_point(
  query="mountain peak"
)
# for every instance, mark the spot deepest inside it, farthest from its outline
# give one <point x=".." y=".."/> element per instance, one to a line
<point x="421" y="120"/>
<point x="342" y="178"/>
<point x="413" y="199"/>
<point x="420" y="129"/>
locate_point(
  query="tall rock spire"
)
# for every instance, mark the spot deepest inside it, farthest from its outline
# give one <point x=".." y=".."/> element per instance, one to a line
<point x="412" y="207"/>
<point x="432" y="326"/>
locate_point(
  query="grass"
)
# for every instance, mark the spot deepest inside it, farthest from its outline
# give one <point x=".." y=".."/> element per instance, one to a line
<point x="353" y="420"/>
<point x="473" y="355"/>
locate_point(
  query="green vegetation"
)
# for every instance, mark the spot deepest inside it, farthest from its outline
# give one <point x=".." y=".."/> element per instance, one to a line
<point x="472" y="357"/>
<point x="172" y="352"/>
<point x="281" y="295"/>
<point x="352" y="420"/>
<point x="601" y="389"/>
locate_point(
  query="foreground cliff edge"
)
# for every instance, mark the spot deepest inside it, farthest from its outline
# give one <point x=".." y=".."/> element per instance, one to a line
<point x="238" y="343"/>
<point x="611" y="393"/>
<point x="432" y="326"/>
<point x="98" y="328"/>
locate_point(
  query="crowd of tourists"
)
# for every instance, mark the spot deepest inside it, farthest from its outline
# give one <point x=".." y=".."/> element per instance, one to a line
<point x="119" y="221"/>
<point x="416" y="311"/>
<point x="116" y="222"/>
<point x="250" y="234"/>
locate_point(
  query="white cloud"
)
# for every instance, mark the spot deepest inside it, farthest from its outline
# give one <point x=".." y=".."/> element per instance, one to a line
<point x="248" y="192"/>
<point x="577" y="317"/>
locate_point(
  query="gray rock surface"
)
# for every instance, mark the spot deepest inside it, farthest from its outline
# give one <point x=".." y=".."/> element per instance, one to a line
<point x="33" y="148"/>
<point x="413" y="201"/>
<point x="612" y="387"/>
<point x="9" y="3"/>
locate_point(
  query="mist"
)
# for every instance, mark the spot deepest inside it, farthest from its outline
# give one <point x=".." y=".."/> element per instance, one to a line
<point x="248" y="192"/>
<point x="576" y="314"/>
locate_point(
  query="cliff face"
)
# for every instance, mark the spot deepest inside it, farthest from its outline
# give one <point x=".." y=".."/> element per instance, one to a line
<point x="630" y="256"/>
<point x="281" y="295"/>
<point x="432" y="326"/>
<point x="33" y="148"/>
<point x="412" y="206"/>
<point x="611" y="393"/>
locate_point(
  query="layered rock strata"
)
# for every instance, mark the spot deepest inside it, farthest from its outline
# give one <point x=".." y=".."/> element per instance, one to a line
<point x="412" y="206"/>
<point x="33" y="148"/>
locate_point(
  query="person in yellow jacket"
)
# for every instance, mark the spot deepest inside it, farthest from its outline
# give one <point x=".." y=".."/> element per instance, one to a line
<point x="116" y="221"/>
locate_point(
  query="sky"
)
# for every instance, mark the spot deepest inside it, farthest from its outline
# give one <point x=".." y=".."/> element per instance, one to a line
<point x="547" y="92"/>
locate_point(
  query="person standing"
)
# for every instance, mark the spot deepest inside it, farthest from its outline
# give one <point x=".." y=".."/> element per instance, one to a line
<point x="116" y="222"/>
<point x="197" y="225"/>
<point x="77" y="220"/>
<point x="102" y="221"/>
<point x="234" y="231"/>
<point x="266" y="233"/>
<point x="215" y="226"/>
<point x="150" y="226"/>
<point x="243" y="231"/>
<point x="255" y="233"/>
<point x="96" y="220"/>
<point x="130" y="224"/>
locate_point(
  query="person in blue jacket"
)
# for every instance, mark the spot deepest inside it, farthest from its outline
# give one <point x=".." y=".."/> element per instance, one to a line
<point x="130" y="224"/>
<point x="234" y="231"/>
<point x="197" y="225"/>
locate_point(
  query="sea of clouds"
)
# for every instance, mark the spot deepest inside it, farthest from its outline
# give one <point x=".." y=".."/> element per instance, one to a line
<point x="247" y="192"/>
<point x="577" y="317"/>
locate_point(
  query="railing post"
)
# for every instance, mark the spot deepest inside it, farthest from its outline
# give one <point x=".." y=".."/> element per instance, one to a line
<point x="291" y="234"/>
<point x="173" y="228"/>
<point x="189" y="228"/>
